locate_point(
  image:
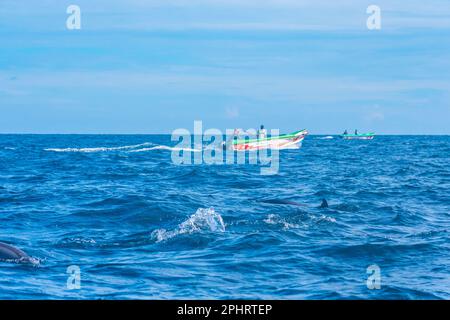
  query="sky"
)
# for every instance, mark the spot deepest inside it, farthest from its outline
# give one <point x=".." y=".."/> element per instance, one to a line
<point x="154" y="66"/>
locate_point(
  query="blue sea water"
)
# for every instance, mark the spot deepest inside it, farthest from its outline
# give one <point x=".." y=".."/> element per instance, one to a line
<point x="139" y="226"/>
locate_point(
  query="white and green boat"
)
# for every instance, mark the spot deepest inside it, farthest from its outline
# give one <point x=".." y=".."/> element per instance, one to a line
<point x="284" y="141"/>
<point x="359" y="136"/>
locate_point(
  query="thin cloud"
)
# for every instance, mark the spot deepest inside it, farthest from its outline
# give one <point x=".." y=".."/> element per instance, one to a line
<point x="232" y="112"/>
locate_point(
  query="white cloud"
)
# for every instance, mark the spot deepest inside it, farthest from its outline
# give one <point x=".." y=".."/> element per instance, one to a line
<point x="375" y="116"/>
<point x="232" y="112"/>
<point x="374" y="113"/>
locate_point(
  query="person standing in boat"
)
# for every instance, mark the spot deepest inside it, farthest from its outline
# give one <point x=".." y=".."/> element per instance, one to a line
<point x="345" y="132"/>
<point x="232" y="139"/>
<point x="356" y="132"/>
<point x="262" y="133"/>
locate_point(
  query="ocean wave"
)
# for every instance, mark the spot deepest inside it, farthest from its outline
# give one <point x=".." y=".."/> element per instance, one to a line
<point x="204" y="219"/>
<point x="346" y="207"/>
<point x="405" y="293"/>
<point x="429" y="234"/>
<point x="380" y="250"/>
<point x="99" y="149"/>
<point x="325" y="138"/>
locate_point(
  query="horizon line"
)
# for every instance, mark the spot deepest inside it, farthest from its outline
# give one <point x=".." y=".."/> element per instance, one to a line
<point x="155" y="134"/>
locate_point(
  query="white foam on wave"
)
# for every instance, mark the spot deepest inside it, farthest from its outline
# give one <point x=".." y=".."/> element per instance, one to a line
<point x="99" y="149"/>
<point x="324" y="218"/>
<point x="35" y="262"/>
<point x="325" y="138"/>
<point x="277" y="220"/>
<point x="204" y="219"/>
<point x="286" y="223"/>
<point x="162" y="147"/>
<point x="293" y="146"/>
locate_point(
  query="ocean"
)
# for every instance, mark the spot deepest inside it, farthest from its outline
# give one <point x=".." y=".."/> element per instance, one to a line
<point x="134" y="225"/>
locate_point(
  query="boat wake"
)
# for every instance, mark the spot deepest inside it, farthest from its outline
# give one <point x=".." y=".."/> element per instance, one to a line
<point x="99" y="149"/>
<point x="203" y="220"/>
<point x="143" y="147"/>
<point x="291" y="147"/>
<point x="162" y="147"/>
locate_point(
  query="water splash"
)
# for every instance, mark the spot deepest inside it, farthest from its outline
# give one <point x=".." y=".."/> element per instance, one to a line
<point x="204" y="219"/>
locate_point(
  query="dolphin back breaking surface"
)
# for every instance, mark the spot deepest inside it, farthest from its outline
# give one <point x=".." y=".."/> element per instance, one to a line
<point x="12" y="254"/>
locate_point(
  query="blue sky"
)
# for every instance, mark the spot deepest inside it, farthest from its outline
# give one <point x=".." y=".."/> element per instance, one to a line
<point x="154" y="66"/>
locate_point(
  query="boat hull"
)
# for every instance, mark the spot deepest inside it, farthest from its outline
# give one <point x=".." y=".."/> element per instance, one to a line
<point x="289" y="141"/>
<point x="362" y="136"/>
<point x="358" y="138"/>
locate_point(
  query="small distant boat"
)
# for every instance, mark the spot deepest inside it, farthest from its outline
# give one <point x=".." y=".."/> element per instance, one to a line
<point x="358" y="136"/>
<point x="284" y="141"/>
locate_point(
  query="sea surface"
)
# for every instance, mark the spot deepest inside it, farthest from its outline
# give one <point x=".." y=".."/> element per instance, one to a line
<point x="138" y="226"/>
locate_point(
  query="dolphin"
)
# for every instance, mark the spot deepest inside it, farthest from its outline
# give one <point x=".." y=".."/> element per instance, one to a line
<point x="324" y="203"/>
<point x="10" y="253"/>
